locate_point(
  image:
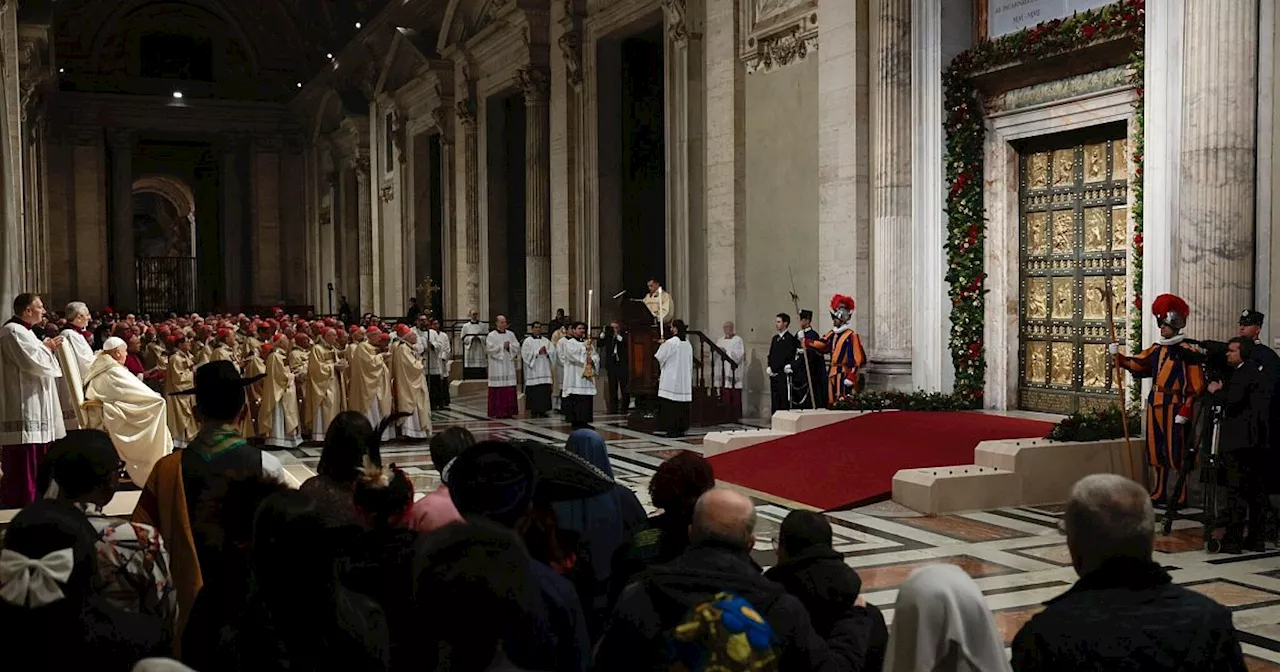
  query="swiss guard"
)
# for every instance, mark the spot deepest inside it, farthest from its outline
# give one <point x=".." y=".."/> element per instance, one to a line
<point x="847" y="355"/>
<point x="1178" y="379"/>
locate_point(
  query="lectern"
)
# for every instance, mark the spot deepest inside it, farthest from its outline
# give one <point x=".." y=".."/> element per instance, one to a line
<point x="642" y="369"/>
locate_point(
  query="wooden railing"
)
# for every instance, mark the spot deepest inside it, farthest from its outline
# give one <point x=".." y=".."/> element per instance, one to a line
<point x="710" y="362"/>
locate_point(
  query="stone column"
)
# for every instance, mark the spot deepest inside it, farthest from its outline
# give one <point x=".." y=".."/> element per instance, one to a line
<point x="928" y="192"/>
<point x="726" y="160"/>
<point x="891" y="190"/>
<point x="1161" y="169"/>
<point x="537" y="200"/>
<point x="124" y="276"/>
<point x="1214" y="240"/>
<point x="364" y="234"/>
<point x="466" y="111"/>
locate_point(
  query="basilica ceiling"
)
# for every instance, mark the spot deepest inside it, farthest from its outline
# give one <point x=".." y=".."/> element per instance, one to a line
<point x="240" y="49"/>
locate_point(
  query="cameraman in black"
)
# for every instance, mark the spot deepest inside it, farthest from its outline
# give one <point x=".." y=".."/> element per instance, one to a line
<point x="613" y="350"/>
<point x="1244" y="394"/>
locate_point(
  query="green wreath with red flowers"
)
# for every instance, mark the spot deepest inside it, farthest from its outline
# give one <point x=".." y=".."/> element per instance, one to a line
<point x="963" y="123"/>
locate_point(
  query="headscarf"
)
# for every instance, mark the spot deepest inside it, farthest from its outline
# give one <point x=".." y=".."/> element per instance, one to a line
<point x="941" y="620"/>
<point x="602" y="522"/>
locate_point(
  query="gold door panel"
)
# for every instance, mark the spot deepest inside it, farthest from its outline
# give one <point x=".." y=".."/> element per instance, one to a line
<point x="1074" y="240"/>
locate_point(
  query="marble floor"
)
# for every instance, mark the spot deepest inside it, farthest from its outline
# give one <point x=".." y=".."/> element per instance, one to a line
<point x="1017" y="556"/>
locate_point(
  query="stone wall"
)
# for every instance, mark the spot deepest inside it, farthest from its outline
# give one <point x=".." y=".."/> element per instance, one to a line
<point x="781" y="228"/>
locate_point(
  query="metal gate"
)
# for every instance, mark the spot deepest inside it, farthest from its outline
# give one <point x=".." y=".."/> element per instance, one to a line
<point x="1073" y="222"/>
<point x="166" y="285"/>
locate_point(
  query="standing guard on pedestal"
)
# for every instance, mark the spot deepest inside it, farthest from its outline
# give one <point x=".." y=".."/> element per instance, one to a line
<point x="845" y="346"/>
<point x="1174" y="365"/>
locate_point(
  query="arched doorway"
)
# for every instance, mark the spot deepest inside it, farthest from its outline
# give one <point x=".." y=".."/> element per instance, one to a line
<point x="164" y="240"/>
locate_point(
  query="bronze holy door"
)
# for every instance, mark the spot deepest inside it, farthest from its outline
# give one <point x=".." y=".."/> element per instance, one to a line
<point x="1073" y="245"/>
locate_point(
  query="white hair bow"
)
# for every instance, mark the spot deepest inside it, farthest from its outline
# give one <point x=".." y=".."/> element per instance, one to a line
<point x="34" y="583"/>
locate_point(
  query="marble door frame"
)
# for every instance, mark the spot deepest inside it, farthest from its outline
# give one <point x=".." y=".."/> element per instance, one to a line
<point x="602" y="20"/>
<point x="1000" y="175"/>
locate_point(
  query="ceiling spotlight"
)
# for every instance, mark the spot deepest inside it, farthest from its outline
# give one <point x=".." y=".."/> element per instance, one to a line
<point x="177" y="94"/>
<point x="61" y="70"/>
<point x="357" y="25"/>
<point x="299" y="85"/>
<point x="329" y="56"/>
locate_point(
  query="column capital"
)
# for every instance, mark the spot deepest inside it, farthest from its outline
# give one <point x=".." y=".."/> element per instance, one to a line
<point x="675" y="11"/>
<point x="466" y="111"/>
<point x="361" y="165"/>
<point x="535" y="84"/>
<point x="571" y="47"/>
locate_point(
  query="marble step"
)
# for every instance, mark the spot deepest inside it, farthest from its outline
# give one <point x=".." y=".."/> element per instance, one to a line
<point x="967" y="487"/>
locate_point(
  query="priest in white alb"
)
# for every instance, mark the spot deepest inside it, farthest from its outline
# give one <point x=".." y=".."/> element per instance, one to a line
<point x="74" y="335"/>
<point x="658" y="301"/>
<point x="132" y="413"/>
<point x="30" y="412"/>
<point x="536" y="353"/>
<point x="473" y="348"/>
<point x="504" y="352"/>
<point x="675" y="383"/>
<point x="729" y="376"/>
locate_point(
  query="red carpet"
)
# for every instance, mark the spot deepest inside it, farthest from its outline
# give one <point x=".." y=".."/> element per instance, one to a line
<point x="853" y="462"/>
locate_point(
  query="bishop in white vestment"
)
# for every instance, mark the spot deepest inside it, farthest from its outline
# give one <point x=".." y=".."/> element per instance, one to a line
<point x="675" y="384"/>
<point x="578" y="393"/>
<point x="473" y="348"/>
<point x="536" y="353"/>
<point x="504" y="352"/>
<point x="30" y="412"/>
<point x="132" y="413"/>
<point x="78" y="318"/>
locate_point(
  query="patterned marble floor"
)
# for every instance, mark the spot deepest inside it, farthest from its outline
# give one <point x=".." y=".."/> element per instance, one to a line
<point x="1017" y="556"/>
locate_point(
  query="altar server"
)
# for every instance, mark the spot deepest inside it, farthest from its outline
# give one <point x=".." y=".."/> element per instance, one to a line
<point x="675" y="383"/>
<point x="577" y="389"/>
<point x="536" y="353"/>
<point x="473" y="348"/>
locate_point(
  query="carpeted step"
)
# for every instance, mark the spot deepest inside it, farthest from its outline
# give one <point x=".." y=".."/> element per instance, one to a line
<point x="716" y="443"/>
<point x="968" y="487"/>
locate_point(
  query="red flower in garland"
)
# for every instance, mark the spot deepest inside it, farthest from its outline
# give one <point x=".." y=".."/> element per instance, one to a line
<point x="1090" y="31"/>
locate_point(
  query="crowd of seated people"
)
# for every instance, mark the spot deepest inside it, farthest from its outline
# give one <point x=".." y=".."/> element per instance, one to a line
<point x="514" y="565"/>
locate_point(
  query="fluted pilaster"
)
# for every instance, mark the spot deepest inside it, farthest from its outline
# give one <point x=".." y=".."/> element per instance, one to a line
<point x="535" y="84"/>
<point x="364" y="234"/>
<point x="124" y="276"/>
<point x="891" y="185"/>
<point x="1214" y="241"/>
<point x="928" y="193"/>
<point x="466" y="112"/>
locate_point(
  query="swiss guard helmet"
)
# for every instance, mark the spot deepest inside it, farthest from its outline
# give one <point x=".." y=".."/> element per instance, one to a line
<point x="841" y="308"/>
<point x="1171" y="310"/>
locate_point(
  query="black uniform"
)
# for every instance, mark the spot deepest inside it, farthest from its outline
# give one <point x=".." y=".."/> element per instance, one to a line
<point x="1243" y="443"/>
<point x="817" y="369"/>
<point x="782" y="351"/>
<point x="614" y="352"/>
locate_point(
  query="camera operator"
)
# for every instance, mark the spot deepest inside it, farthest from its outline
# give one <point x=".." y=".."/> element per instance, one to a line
<point x="1245" y="399"/>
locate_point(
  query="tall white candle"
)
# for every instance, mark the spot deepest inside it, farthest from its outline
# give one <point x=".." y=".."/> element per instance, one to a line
<point x="590" y="303"/>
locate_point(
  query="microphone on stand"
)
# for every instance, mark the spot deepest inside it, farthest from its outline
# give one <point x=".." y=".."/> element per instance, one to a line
<point x="620" y="294"/>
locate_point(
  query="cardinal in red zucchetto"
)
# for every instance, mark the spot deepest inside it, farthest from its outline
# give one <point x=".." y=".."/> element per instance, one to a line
<point x="1174" y="365"/>
<point x="847" y="355"/>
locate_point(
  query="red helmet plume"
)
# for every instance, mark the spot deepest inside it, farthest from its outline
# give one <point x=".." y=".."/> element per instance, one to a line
<point x="1171" y="310"/>
<point x="840" y="301"/>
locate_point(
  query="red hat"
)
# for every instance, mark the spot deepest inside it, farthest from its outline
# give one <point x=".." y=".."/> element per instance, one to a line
<point x="354" y="328"/>
<point x="374" y="331"/>
<point x="175" y="339"/>
<point x="300" y="338"/>
<point x="223" y="332"/>
<point x="402" y="329"/>
<point x="1170" y="310"/>
<point x="266" y="349"/>
<point x="325" y="330"/>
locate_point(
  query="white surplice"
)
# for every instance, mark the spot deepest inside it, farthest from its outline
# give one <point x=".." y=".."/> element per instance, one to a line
<point x="502" y="359"/>
<point x="443" y="350"/>
<point x="427" y="351"/>
<point x="726" y="375"/>
<point x="676" y="359"/>
<point x="473" y="344"/>
<point x="132" y="413"/>
<point x="30" y="411"/>
<point x="80" y="348"/>
<point x="572" y="354"/>
<point x="537" y="365"/>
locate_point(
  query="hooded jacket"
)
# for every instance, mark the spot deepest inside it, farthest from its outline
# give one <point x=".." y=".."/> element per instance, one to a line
<point x="828" y="588"/>
<point x="661" y="597"/>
